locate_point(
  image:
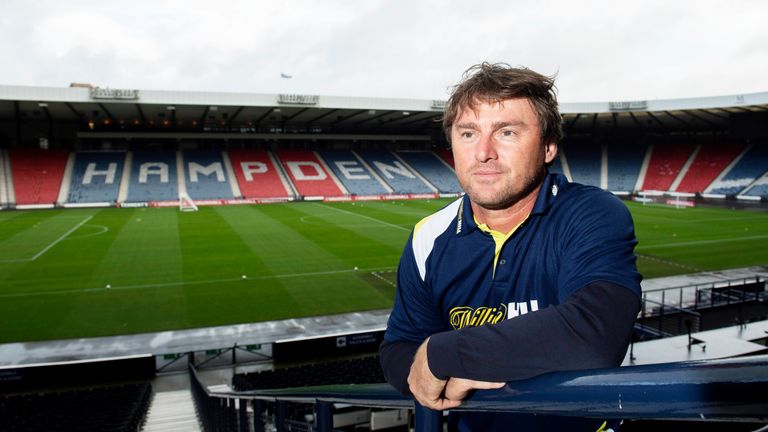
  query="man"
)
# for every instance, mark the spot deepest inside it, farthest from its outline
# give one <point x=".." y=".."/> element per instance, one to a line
<point x="525" y="274"/>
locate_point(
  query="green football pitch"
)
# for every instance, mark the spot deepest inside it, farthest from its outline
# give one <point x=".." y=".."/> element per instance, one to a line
<point x="96" y="272"/>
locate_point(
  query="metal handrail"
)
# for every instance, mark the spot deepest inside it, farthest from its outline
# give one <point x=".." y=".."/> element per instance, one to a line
<point x="708" y="390"/>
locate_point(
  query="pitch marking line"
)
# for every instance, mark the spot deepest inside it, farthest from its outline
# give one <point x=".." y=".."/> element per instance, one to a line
<point x="101" y="229"/>
<point x="52" y="244"/>
<point x="698" y="242"/>
<point x="667" y="262"/>
<point x="198" y="282"/>
<point x="365" y="217"/>
<point x="387" y="281"/>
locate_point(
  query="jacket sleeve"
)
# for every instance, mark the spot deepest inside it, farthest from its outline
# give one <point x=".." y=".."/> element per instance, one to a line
<point x="591" y="329"/>
<point x="396" y="358"/>
<point x="414" y="317"/>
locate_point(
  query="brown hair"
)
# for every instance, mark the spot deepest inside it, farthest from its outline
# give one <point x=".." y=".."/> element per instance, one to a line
<point x="494" y="83"/>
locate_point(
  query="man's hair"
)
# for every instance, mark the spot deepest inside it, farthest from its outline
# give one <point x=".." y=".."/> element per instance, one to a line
<point x="495" y="83"/>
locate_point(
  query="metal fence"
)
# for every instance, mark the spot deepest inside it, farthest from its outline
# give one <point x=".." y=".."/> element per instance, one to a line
<point x="731" y="390"/>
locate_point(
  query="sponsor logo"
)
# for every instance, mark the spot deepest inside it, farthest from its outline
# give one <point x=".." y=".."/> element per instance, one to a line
<point x="465" y="316"/>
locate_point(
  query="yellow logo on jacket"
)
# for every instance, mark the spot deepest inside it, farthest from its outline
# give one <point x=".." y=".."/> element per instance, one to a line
<point x="465" y="316"/>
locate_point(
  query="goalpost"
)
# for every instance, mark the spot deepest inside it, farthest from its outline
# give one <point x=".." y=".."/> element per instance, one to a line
<point x="186" y="204"/>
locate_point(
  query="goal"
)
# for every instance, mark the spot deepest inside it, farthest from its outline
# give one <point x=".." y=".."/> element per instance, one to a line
<point x="186" y="204"/>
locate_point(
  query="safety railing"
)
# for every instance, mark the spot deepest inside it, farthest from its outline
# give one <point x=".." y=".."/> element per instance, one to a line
<point x="730" y="390"/>
<point x="704" y="295"/>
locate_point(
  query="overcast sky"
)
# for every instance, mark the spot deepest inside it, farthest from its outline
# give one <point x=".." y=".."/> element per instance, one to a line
<point x="601" y="50"/>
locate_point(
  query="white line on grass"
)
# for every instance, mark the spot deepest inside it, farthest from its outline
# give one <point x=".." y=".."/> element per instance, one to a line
<point x="667" y="262"/>
<point x="52" y="244"/>
<point x="101" y="230"/>
<point x="365" y="217"/>
<point x="184" y="283"/>
<point x="698" y="242"/>
<point x="376" y="274"/>
<point x="55" y="242"/>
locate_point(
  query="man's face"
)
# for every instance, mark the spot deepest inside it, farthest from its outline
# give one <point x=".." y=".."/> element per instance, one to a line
<point x="498" y="153"/>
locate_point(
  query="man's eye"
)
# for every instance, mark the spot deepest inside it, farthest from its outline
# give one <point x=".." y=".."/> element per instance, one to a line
<point x="467" y="134"/>
<point x="507" y="133"/>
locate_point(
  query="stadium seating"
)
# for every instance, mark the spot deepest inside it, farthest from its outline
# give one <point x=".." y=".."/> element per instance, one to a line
<point x="256" y="175"/>
<point x="445" y="154"/>
<point x="205" y="175"/>
<point x="759" y="188"/>
<point x="108" y="409"/>
<point x="750" y="167"/>
<point x="433" y="169"/>
<point x="666" y="162"/>
<point x="307" y="173"/>
<point x="4" y="195"/>
<point x="153" y="177"/>
<point x="584" y="160"/>
<point x="96" y="177"/>
<point x="708" y="164"/>
<point x="37" y="174"/>
<point x="364" y="370"/>
<point x="624" y="164"/>
<point x="352" y="173"/>
<point x="392" y="171"/>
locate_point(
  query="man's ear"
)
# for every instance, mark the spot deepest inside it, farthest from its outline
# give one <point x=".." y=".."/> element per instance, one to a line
<point x="550" y="152"/>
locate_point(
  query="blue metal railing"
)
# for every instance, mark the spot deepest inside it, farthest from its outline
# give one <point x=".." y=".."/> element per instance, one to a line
<point x="733" y="390"/>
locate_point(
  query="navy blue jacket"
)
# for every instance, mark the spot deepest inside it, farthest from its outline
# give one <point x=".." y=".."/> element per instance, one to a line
<point x="562" y="295"/>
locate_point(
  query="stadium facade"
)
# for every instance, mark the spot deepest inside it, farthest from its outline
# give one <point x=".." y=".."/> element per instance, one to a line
<point x="87" y="146"/>
<point x="102" y="146"/>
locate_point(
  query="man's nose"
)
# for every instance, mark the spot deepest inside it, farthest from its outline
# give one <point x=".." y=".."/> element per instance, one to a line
<point x="486" y="149"/>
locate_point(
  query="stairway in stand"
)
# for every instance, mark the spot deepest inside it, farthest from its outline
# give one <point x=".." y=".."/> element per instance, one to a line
<point x="172" y="411"/>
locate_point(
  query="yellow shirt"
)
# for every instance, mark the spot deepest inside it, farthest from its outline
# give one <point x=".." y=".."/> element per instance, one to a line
<point x="499" y="238"/>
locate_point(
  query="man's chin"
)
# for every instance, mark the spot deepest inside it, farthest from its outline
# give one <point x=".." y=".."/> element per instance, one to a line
<point x="492" y="202"/>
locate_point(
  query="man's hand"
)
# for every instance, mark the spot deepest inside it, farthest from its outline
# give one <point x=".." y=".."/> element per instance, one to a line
<point x="427" y="388"/>
<point x="457" y="389"/>
<point x="438" y="394"/>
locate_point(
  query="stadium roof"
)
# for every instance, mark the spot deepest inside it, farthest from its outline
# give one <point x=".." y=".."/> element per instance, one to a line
<point x="112" y="109"/>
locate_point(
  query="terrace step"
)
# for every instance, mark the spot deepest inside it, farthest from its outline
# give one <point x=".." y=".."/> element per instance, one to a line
<point x="172" y="411"/>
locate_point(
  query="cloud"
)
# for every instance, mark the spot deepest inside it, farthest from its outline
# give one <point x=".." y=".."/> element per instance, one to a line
<point x="601" y="50"/>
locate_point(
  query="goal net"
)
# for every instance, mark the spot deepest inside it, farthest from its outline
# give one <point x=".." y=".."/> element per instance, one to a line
<point x="186" y="204"/>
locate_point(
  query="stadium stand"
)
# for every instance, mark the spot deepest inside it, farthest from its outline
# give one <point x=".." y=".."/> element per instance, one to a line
<point x="153" y="177"/>
<point x="709" y="162"/>
<point x="205" y="175"/>
<point x="307" y="173"/>
<point x="400" y="177"/>
<point x="759" y="188"/>
<point x="108" y="409"/>
<point x="751" y="166"/>
<point x="584" y="160"/>
<point x="624" y="163"/>
<point x="37" y="174"/>
<point x="445" y="154"/>
<point x="666" y="162"/>
<point x="433" y="169"/>
<point x="364" y="370"/>
<point x="257" y="175"/>
<point x="4" y="195"/>
<point x="355" y="176"/>
<point x="96" y="177"/>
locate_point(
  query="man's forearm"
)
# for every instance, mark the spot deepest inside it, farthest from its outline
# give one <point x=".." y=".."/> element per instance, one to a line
<point x="396" y="359"/>
<point x="590" y="330"/>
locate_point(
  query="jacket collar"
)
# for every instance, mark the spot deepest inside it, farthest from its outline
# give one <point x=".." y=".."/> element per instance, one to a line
<point x="551" y="187"/>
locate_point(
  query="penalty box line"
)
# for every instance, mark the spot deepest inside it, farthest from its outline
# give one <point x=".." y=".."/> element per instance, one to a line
<point x="364" y="217"/>
<point x="52" y="244"/>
